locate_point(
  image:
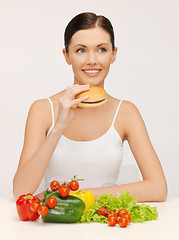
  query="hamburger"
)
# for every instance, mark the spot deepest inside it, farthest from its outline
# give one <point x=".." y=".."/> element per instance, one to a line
<point x="97" y="97"/>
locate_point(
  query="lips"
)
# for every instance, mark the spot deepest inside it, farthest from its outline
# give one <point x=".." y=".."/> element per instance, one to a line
<point x="91" y="72"/>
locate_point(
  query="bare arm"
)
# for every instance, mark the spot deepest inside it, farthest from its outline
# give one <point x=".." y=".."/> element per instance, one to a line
<point x="38" y="148"/>
<point x="154" y="186"/>
<point x="37" y="151"/>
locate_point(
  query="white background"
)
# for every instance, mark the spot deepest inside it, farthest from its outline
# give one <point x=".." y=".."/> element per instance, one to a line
<point x="146" y="71"/>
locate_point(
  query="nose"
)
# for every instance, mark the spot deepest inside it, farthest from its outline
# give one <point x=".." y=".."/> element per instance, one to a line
<point x="91" y="58"/>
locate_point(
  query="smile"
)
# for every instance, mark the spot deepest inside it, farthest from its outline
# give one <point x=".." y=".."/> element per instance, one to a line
<point x="92" y="72"/>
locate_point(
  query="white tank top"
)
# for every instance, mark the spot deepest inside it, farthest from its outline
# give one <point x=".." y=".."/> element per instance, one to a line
<point x="97" y="161"/>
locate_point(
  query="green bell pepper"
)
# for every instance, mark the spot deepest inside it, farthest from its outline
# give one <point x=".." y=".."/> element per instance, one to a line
<point x="68" y="209"/>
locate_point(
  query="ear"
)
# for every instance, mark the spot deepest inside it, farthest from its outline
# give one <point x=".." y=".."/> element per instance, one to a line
<point x="114" y="55"/>
<point x="66" y="56"/>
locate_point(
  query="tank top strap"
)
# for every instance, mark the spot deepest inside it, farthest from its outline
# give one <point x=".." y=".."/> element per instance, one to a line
<point x="52" y="111"/>
<point x="116" y="112"/>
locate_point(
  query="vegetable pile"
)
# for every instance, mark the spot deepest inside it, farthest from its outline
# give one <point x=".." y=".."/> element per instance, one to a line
<point x="58" y="204"/>
<point x="107" y="202"/>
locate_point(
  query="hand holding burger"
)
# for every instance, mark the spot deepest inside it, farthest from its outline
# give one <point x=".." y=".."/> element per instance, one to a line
<point x="97" y="97"/>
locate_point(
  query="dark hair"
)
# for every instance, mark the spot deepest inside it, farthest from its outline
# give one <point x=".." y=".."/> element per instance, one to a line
<point x="87" y="20"/>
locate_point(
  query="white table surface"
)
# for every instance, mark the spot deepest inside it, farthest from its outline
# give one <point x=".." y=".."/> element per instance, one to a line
<point x="165" y="227"/>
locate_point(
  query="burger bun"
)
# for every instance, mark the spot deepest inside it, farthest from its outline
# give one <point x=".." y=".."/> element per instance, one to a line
<point x="97" y="97"/>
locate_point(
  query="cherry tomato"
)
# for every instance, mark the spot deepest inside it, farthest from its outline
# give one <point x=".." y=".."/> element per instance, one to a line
<point x="112" y="220"/>
<point x="51" y="202"/>
<point x="123" y="222"/>
<point x="42" y="210"/>
<point x="74" y="185"/>
<point x="54" y="185"/>
<point x="102" y="211"/>
<point x="64" y="191"/>
<point x="34" y="206"/>
<point x="113" y="212"/>
<point x="121" y="211"/>
<point x="128" y="216"/>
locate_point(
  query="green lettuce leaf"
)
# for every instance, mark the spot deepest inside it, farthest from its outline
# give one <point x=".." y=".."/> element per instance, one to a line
<point x="143" y="212"/>
<point x="87" y="216"/>
<point x="138" y="212"/>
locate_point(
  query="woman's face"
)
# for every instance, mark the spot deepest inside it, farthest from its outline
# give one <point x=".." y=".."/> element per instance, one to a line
<point x="90" y="54"/>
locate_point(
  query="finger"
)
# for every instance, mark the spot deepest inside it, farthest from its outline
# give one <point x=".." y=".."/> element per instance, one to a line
<point x="74" y="106"/>
<point x="71" y="86"/>
<point x="76" y="85"/>
<point x="72" y="92"/>
<point x="76" y="101"/>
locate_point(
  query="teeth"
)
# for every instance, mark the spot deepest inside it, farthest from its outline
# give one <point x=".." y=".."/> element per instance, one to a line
<point x="91" y="71"/>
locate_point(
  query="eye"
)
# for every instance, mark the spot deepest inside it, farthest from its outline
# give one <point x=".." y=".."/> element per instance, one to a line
<point x="81" y="50"/>
<point x="102" y="50"/>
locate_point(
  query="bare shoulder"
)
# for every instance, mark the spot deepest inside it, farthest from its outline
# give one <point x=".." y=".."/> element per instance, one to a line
<point x="40" y="107"/>
<point x="127" y="111"/>
<point x="128" y="118"/>
<point x="129" y="107"/>
<point x="132" y="119"/>
<point x="40" y="113"/>
<point x="40" y="110"/>
<point x="130" y="111"/>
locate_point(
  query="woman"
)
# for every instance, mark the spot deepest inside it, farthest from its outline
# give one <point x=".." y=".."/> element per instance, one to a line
<point x="62" y="140"/>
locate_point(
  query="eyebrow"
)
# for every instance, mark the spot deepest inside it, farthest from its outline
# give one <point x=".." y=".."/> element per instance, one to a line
<point x="86" y="46"/>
